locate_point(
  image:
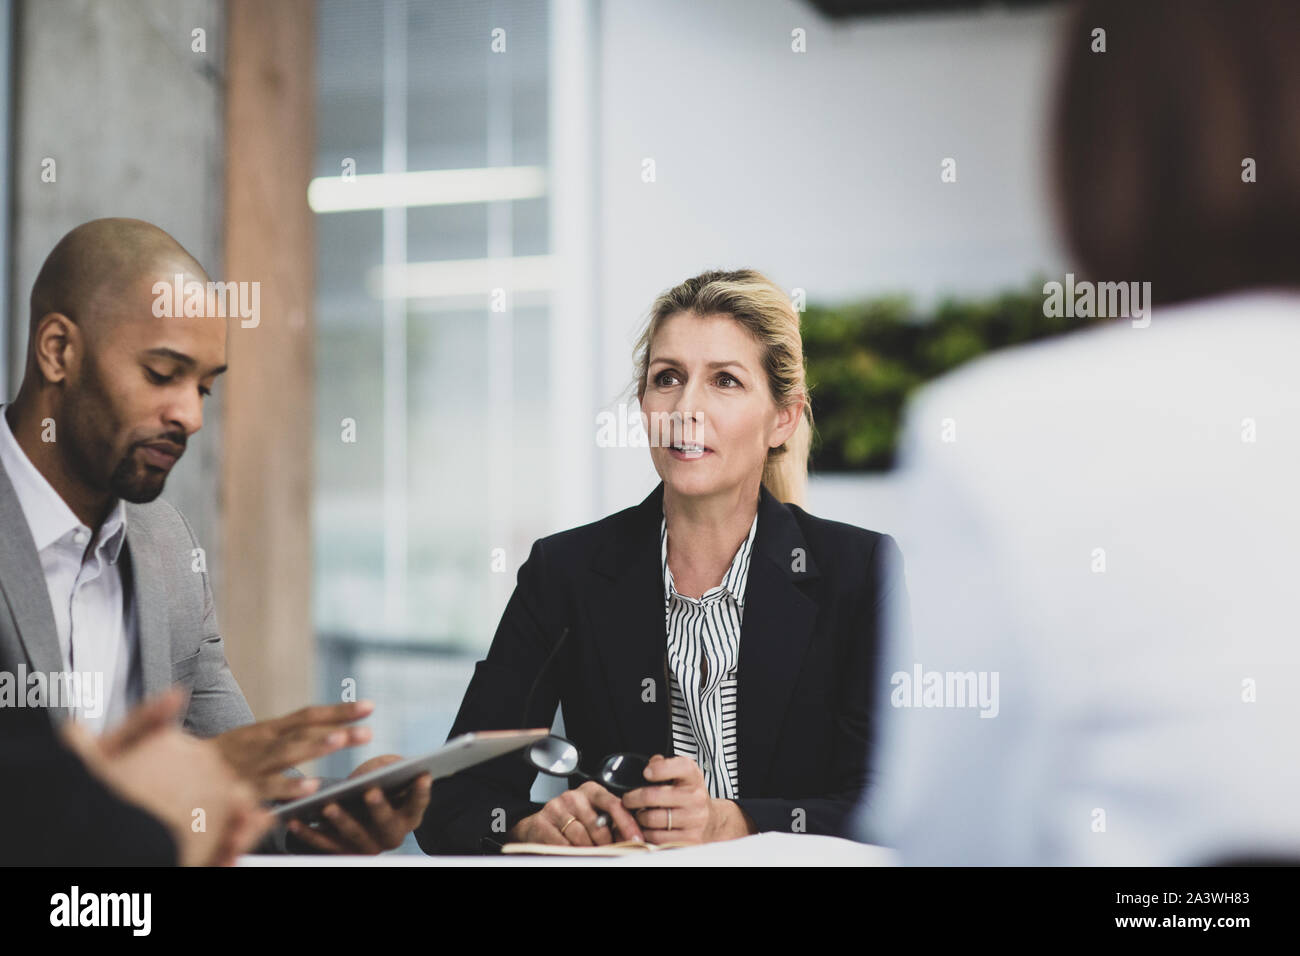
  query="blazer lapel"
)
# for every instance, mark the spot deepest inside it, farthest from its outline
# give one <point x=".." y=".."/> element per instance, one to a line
<point x="22" y="581"/>
<point x="152" y="623"/>
<point x="627" y="615"/>
<point x="774" y="636"/>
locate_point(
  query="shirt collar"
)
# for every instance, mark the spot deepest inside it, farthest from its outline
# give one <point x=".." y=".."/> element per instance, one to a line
<point x="48" y="515"/>
<point x="112" y="533"/>
<point x="733" y="582"/>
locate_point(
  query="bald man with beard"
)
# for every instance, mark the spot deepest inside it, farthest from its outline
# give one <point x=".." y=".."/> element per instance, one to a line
<point x="98" y="576"/>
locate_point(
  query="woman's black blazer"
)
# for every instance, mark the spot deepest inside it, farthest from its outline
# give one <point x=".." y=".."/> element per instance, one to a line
<point x="808" y="655"/>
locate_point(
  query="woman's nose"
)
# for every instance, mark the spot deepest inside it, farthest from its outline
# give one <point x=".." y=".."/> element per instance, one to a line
<point x="688" y="403"/>
<point x="684" y="421"/>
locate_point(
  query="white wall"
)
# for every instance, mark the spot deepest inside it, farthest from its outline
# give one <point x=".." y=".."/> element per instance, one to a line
<point x="821" y="168"/>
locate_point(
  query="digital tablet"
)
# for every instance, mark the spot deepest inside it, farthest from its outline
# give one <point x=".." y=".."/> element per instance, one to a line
<point x="453" y="756"/>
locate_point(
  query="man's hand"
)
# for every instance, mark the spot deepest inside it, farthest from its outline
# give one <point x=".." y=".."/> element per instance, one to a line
<point x="261" y="752"/>
<point x="574" y="818"/>
<point x="151" y="763"/>
<point x="383" y="825"/>
<point x="679" y="797"/>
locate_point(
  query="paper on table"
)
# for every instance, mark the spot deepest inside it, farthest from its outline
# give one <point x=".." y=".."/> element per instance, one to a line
<point x="625" y="848"/>
<point x="772" y="849"/>
<point x="761" y="849"/>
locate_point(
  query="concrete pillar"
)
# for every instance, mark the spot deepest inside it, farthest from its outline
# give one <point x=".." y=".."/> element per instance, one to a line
<point x="116" y="113"/>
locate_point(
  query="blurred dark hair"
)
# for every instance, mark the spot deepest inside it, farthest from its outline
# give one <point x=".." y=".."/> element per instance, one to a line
<point x="1148" y="140"/>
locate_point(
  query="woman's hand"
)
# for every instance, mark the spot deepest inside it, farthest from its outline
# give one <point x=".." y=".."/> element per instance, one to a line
<point x="572" y="819"/>
<point x="680" y="798"/>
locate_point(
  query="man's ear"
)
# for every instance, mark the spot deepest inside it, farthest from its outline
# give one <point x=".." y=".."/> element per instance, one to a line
<point x="787" y="420"/>
<point x="56" y="344"/>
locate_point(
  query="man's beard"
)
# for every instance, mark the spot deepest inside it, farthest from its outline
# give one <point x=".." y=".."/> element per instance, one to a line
<point x="135" y="483"/>
<point x="129" y="479"/>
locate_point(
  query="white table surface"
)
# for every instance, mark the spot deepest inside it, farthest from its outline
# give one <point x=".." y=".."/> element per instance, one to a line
<point x="762" y="849"/>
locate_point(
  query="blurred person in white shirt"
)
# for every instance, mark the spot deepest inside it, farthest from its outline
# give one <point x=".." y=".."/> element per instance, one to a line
<point x="1103" y="530"/>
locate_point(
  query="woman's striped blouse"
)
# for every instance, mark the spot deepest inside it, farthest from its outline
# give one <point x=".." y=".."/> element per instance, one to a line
<point x="703" y="651"/>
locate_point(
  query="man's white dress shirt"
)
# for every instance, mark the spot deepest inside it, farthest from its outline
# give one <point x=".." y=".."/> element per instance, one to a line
<point x="93" y="611"/>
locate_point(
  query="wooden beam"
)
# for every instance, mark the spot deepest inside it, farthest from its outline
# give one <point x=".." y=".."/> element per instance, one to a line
<point x="267" y="476"/>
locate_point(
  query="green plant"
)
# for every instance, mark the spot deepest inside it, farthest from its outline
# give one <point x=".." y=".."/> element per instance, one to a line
<point x="864" y="359"/>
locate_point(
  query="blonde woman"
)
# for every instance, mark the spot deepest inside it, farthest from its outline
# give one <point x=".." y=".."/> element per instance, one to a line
<point x="716" y="627"/>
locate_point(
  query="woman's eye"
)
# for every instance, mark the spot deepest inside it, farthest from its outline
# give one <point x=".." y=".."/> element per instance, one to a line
<point x="727" y="380"/>
<point x="156" y="377"/>
<point x="662" y="378"/>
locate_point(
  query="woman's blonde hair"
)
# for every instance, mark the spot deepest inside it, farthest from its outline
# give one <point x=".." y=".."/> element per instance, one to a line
<point x="765" y="311"/>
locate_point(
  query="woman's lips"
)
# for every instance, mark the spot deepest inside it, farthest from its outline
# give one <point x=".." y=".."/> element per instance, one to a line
<point x="692" y="455"/>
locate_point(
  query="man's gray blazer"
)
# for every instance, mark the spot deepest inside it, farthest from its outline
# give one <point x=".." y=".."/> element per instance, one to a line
<point x="176" y="615"/>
